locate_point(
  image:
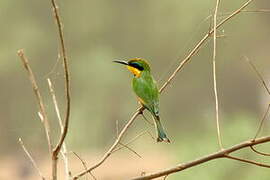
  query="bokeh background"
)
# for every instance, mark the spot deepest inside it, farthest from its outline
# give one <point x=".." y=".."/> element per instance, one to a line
<point x="163" y="32"/>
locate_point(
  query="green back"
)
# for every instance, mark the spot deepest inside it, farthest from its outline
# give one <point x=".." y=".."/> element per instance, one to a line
<point x="146" y="88"/>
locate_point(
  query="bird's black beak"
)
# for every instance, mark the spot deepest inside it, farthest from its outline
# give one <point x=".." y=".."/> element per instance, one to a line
<point x="121" y="62"/>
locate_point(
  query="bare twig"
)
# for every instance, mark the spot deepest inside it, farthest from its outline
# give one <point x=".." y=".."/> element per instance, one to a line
<point x="57" y="148"/>
<point x="149" y="133"/>
<point x="265" y="87"/>
<point x="116" y="142"/>
<point x="215" y="74"/>
<point x="258" y="152"/>
<point x="31" y="159"/>
<point x="64" y="150"/>
<point x="84" y="165"/>
<point x="242" y="11"/>
<point x="262" y="121"/>
<point x="152" y="124"/>
<point x="131" y="141"/>
<point x="219" y="154"/>
<point x="117" y="127"/>
<point x="258" y="74"/>
<point x="248" y="161"/>
<point x="132" y="150"/>
<point x="42" y="113"/>
<point x="181" y="65"/>
<point x="200" y="43"/>
<point x="257" y="11"/>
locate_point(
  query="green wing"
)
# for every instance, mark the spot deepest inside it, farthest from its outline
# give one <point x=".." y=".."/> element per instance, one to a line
<point x="146" y="89"/>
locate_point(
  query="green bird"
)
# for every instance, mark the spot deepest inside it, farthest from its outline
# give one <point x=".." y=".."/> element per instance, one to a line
<point x="145" y="87"/>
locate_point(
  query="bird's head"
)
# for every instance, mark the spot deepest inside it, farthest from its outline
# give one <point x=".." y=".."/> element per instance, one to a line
<point x="136" y="66"/>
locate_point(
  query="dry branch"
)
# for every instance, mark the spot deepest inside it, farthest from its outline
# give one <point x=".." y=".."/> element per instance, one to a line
<point x="131" y="141"/>
<point x="215" y="74"/>
<point x="84" y="165"/>
<point x="64" y="149"/>
<point x="109" y="152"/>
<point x="220" y="154"/>
<point x="200" y="43"/>
<point x="130" y="149"/>
<point x="42" y="113"/>
<point x="262" y="121"/>
<point x="258" y="74"/>
<point x="31" y="159"/>
<point x="248" y="161"/>
<point x="258" y="152"/>
<point x="257" y="11"/>
<point x="57" y="148"/>
<point x="181" y="65"/>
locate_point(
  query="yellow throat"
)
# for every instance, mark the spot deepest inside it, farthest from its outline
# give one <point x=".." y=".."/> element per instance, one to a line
<point x="134" y="71"/>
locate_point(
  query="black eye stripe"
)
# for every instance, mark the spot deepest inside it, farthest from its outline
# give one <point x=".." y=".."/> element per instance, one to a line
<point x="136" y="65"/>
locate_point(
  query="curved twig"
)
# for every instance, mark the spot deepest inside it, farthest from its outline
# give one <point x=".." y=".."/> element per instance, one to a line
<point x="247" y="161"/>
<point x="57" y="148"/>
<point x="259" y="152"/>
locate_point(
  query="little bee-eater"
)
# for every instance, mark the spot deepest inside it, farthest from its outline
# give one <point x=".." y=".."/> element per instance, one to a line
<point x="146" y="89"/>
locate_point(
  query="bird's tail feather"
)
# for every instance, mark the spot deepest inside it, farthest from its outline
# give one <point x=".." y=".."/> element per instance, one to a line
<point x="160" y="131"/>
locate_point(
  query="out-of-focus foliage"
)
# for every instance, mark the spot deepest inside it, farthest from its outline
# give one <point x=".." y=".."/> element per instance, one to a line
<point x="163" y="32"/>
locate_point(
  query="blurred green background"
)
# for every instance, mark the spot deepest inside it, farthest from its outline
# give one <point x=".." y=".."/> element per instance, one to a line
<point x="163" y="32"/>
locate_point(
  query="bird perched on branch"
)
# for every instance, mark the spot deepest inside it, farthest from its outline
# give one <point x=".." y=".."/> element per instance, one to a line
<point x="146" y="89"/>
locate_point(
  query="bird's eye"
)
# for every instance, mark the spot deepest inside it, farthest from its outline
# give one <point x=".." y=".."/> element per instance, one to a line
<point x="136" y="65"/>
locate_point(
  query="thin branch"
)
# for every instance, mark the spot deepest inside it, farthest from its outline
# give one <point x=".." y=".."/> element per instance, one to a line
<point x="258" y="152"/>
<point x="257" y="11"/>
<point x="117" y="127"/>
<point x="131" y="141"/>
<point x="181" y="65"/>
<point x="247" y="161"/>
<point x="262" y="121"/>
<point x="31" y="159"/>
<point x="200" y="43"/>
<point x="116" y="142"/>
<point x="215" y="75"/>
<point x="57" y="148"/>
<point x="219" y="154"/>
<point x="132" y="150"/>
<point x="42" y="113"/>
<point x="149" y="133"/>
<point x="64" y="150"/>
<point x="258" y="74"/>
<point x="152" y="124"/>
<point x="84" y="165"/>
<point x="265" y="87"/>
<point x="67" y="78"/>
<point x="242" y="11"/>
